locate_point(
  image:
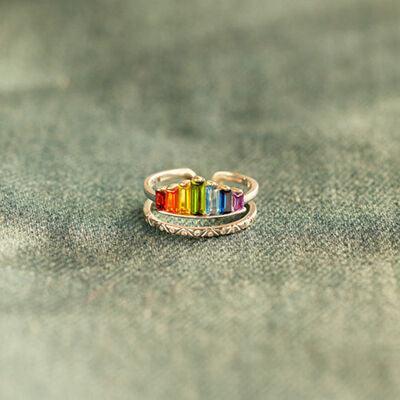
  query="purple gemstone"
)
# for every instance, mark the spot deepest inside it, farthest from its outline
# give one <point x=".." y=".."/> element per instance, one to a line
<point x="237" y="199"/>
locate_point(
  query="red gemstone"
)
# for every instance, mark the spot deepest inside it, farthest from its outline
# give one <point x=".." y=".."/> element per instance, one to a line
<point x="160" y="199"/>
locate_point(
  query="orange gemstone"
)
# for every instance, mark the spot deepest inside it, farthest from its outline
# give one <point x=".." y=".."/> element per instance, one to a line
<point x="171" y="200"/>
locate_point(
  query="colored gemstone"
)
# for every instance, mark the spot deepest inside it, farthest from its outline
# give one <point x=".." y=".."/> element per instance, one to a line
<point x="212" y="198"/>
<point x="237" y="199"/>
<point x="197" y="195"/>
<point x="203" y="207"/>
<point x="215" y="202"/>
<point x="184" y="197"/>
<point x="225" y="199"/>
<point x="160" y="199"/>
<point x="171" y="201"/>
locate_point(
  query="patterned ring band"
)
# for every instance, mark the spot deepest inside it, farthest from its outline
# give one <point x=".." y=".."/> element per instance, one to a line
<point x="200" y="231"/>
<point x="197" y="198"/>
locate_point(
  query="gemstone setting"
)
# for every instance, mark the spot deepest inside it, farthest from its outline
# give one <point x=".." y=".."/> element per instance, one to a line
<point x="212" y="197"/>
<point x="160" y="198"/>
<point x="198" y="197"/>
<point x="225" y="199"/>
<point x="171" y="201"/>
<point x="237" y="199"/>
<point x="184" y="197"/>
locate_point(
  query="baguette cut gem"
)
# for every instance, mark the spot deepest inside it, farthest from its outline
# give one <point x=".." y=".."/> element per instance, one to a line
<point x="160" y="199"/>
<point x="215" y="202"/>
<point x="237" y="199"/>
<point x="171" y="201"/>
<point x="197" y="195"/>
<point x="203" y="199"/>
<point x="225" y="199"/>
<point x="184" y="197"/>
<point x="212" y="197"/>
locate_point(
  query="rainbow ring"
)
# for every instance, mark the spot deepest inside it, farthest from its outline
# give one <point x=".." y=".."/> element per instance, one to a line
<point x="196" y="198"/>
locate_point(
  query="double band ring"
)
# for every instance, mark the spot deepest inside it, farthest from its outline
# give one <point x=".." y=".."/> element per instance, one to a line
<point x="189" y="196"/>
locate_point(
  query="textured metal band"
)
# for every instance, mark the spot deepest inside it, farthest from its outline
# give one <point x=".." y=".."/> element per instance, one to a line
<point x="200" y="231"/>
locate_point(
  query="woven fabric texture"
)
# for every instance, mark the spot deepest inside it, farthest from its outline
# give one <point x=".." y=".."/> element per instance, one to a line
<point x="303" y="96"/>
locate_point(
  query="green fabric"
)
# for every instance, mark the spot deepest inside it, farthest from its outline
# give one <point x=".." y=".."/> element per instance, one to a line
<point x="302" y="95"/>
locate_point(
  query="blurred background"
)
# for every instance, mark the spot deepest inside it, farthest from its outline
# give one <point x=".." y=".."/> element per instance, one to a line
<point x="303" y="96"/>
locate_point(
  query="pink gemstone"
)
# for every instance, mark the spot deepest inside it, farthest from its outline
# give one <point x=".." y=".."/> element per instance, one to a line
<point x="237" y="199"/>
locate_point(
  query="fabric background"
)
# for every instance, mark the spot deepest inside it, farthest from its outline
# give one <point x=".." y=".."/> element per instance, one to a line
<point x="303" y="95"/>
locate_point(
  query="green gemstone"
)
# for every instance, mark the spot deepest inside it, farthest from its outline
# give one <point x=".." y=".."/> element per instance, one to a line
<point x="203" y="199"/>
<point x="198" y="195"/>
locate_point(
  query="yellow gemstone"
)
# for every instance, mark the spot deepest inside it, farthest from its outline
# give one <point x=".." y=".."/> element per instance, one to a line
<point x="184" y="197"/>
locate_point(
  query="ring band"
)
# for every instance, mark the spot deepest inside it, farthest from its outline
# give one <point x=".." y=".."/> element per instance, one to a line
<point x="200" y="231"/>
<point x="196" y="198"/>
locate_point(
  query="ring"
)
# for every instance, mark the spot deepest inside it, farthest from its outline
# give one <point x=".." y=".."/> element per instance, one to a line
<point x="191" y="196"/>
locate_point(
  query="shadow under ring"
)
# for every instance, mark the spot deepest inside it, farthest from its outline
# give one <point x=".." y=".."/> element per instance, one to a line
<point x="200" y="231"/>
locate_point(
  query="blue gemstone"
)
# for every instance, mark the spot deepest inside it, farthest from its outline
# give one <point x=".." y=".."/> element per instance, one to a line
<point x="225" y="200"/>
<point x="209" y="190"/>
<point x="212" y="198"/>
<point x="221" y="206"/>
